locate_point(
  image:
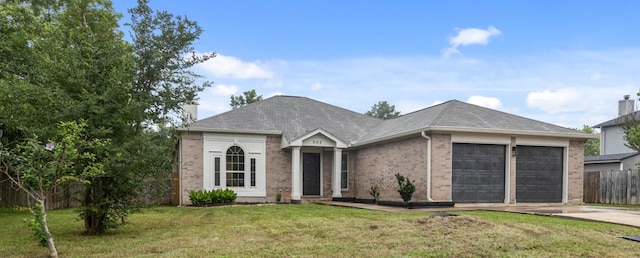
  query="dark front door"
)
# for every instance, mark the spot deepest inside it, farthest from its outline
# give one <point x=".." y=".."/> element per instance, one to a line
<point x="478" y="173"/>
<point x="311" y="174"/>
<point x="539" y="174"/>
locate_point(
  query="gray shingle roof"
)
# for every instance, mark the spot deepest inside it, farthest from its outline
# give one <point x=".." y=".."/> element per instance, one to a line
<point x="297" y="116"/>
<point x="459" y="114"/>
<point x="620" y="120"/>
<point x="609" y="158"/>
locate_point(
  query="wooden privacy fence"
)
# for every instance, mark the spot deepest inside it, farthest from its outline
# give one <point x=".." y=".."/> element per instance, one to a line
<point x="64" y="197"/>
<point x="612" y="187"/>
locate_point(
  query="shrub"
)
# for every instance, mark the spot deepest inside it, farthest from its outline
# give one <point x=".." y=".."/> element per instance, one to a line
<point x="405" y="187"/>
<point x="215" y="196"/>
<point x="374" y="191"/>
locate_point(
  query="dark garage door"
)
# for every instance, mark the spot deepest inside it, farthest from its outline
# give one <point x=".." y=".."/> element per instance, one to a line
<point x="478" y="173"/>
<point x="539" y="174"/>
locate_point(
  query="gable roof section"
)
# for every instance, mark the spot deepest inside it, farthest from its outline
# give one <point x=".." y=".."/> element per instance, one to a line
<point x="620" y="120"/>
<point x="455" y="115"/>
<point x="610" y="158"/>
<point x="295" y="117"/>
<point x="292" y="116"/>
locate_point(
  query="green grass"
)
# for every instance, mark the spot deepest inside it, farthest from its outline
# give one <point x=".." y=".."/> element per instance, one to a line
<point x="317" y="230"/>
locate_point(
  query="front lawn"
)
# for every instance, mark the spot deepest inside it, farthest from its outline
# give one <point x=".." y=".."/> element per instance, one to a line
<point x="318" y="230"/>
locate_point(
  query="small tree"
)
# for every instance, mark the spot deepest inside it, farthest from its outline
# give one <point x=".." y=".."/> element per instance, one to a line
<point x="383" y="110"/>
<point x="405" y="187"/>
<point x="592" y="146"/>
<point x="37" y="169"/>
<point x="248" y="98"/>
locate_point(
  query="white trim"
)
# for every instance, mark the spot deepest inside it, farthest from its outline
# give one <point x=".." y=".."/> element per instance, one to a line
<point x="565" y="176"/>
<point x="300" y="141"/>
<point x="336" y="184"/>
<point x="296" y="174"/>
<point x="542" y="142"/>
<point x="481" y="139"/>
<point x="451" y="129"/>
<point x="507" y="173"/>
<point x="233" y="131"/>
<point x="254" y="146"/>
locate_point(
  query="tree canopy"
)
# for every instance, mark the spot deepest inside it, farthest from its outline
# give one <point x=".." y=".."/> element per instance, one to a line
<point x="68" y="62"/>
<point x="248" y="98"/>
<point x="383" y="110"/>
<point x="592" y="146"/>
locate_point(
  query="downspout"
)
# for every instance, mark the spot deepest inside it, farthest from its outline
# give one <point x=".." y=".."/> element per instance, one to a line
<point x="424" y="135"/>
<point x="180" y="171"/>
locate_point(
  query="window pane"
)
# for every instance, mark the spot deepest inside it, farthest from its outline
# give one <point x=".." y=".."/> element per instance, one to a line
<point x="216" y="172"/>
<point x="235" y="179"/>
<point x="253" y="172"/>
<point x="344" y="176"/>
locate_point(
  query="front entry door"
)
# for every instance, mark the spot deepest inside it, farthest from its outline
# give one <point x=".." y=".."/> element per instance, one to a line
<point x="311" y="174"/>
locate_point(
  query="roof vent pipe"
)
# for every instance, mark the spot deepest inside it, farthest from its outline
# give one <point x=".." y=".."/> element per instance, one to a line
<point x="625" y="106"/>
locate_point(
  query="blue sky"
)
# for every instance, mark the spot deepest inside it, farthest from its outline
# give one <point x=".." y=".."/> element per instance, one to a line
<point x="562" y="62"/>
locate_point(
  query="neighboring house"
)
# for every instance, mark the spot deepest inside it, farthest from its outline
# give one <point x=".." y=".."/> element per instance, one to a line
<point x="614" y="154"/>
<point x="454" y="151"/>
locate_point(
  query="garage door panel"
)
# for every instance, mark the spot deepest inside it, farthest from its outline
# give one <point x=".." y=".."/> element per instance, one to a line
<point x="539" y="173"/>
<point x="478" y="173"/>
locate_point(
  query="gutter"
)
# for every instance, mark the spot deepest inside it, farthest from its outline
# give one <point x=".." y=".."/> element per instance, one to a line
<point x="424" y="135"/>
<point x="452" y="129"/>
<point x="216" y="130"/>
<point x="179" y="172"/>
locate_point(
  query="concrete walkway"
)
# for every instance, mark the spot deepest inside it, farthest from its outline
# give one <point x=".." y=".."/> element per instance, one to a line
<point x="621" y="216"/>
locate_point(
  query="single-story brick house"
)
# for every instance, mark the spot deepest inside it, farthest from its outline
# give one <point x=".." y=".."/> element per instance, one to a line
<point x="453" y="151"/>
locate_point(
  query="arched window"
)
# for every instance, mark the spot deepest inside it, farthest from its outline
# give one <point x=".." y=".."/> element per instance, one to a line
<point x="235" y="167"/>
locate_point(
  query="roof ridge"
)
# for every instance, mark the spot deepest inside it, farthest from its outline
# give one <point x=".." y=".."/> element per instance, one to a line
<point x="444" y="111"/>
<point x="513" y="115"/>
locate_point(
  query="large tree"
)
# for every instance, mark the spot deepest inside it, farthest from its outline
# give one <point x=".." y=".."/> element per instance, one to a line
<point x="383" y="110"/>
<point x="248" y="98"/>
<point x="67" y="60"/>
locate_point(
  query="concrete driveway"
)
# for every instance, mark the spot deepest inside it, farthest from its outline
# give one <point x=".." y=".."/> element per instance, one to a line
<point x="620" y="216"/>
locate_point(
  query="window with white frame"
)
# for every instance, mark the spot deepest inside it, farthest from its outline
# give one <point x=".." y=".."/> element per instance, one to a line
<point x="235" y="167"/>
<point x="344" y="175"/>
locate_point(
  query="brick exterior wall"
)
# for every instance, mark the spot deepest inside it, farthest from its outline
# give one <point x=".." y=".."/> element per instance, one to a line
<point x="512" y="174"/>
<point x="441" y="167"/>
<point x="278" y="169"/>
<point x="327" y="173"/>
<point x="576" y="172"/>
<point x="377" y="165"/>
<point x="191" y="164"/>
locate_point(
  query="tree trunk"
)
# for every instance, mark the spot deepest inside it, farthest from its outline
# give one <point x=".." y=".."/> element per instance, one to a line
<point x="52" y="247"/>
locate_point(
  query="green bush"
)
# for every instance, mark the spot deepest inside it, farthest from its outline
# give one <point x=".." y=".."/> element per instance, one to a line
<point x="215" y="196"/>
<point x="405" y="187"/>
<point x="36" y="226"/>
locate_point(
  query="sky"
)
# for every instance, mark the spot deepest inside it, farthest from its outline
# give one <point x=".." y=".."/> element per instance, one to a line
<point x="561" y="62"/>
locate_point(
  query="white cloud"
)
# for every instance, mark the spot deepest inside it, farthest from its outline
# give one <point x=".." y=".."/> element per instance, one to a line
<point x="224" y="90"/>
<point x="277" y="93"/>
<point x="207" y="107"/>
<point x="488" y="102"/>
<point x="230" y="67"/>
<point x="316" y="86"/>
<point x="556" y="101"/>
<point x="469" y="36"/>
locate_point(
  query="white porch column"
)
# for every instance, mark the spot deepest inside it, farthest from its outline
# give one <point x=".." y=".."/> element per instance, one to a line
<point x="337" y="171"/>
<point x="296" y="178"/>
